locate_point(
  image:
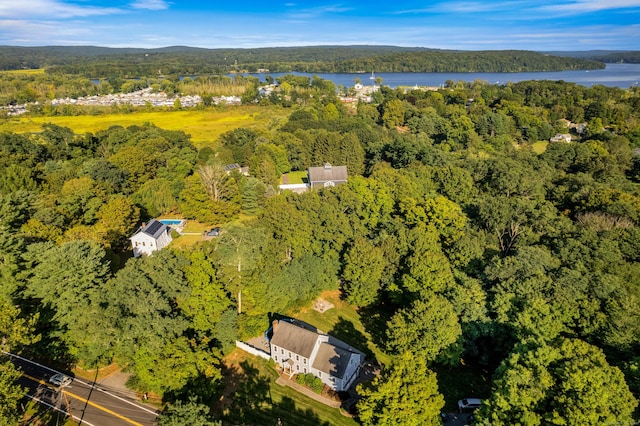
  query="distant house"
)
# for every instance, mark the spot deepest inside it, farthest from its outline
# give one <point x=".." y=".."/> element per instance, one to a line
<point x="150" y="237"/>
<point x="301" y="350"/>
<point x="327" y="175"/>
<point x="235" y="166"/>
<point x="565" y="137"/>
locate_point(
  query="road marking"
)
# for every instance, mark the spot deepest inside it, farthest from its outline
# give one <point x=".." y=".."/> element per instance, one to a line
<point x="42" y="382"/>
<point x="84" y="383"/>
<point x="39" y="401"/>
<point x="100" y="389"/>
<point x="99" y="407"/>
<point x="93" y="404"/>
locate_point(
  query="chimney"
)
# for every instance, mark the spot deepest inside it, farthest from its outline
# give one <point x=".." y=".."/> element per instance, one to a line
<point x="274" y="324"/>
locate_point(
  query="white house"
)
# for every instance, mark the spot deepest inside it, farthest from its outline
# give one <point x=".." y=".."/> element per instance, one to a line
<point x="564" y="137"/>
<point x="301" y="350"/>
<point x="153" y="236"/>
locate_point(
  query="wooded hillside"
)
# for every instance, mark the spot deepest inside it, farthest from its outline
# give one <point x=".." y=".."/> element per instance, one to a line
<point x="100" y="62"/>
<point x="466" y="242"/>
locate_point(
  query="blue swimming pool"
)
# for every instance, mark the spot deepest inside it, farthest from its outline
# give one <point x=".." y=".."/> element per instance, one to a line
<point x="174" y="222"/>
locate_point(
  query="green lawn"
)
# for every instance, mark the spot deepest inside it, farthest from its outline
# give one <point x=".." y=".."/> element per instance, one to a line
<point x="540" y="146"/>
<point x="251" y="394"/>
<point x="297" y="177"/>
<point x="345" y="322"/>
<point x="253" y="397"/>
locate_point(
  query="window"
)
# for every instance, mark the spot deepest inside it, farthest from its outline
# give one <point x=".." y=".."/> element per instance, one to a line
<point x="275" y="358"/>
<point x="289" y="354"/>
<point x="282" y="351"/>
<point x="305" y="370"/>
<point x="304" y="360"/>
<point x="297" y="358"/>
<point x="319" y="373"/>
<point x="297" y="367"/>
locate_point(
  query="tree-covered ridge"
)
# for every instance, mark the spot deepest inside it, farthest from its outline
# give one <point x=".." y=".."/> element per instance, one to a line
<point x="619" y="57"/>
<point x="457" y="242"/>
<point x="102" y="62"/>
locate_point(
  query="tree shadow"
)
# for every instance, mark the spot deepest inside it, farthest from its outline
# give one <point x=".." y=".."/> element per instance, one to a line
<point x="247" y="399"/>
<point x="250" y="395"/>
<point x="203" y="388"/>
<point x="344" y="330"/>
<point x="375" y="321"/>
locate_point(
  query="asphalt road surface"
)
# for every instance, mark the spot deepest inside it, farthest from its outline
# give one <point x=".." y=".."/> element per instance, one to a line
<point x="92" y="405"/>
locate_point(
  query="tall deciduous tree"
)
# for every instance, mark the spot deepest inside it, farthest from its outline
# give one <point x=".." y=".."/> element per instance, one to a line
<point x="69" y="280"/>
<point x="364" y="264"/>
<point x="207" y="299"/>
<point x="426" y="329"/>
<point x="14" y="332"/>
<point x="405" y="394"/>
<point x="566" y="382"/>
<point x="189" y="413"/>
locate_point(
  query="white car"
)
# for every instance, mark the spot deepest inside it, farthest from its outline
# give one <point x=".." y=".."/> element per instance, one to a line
<point x="60" y="380"/>
<point x="469" y="404"/>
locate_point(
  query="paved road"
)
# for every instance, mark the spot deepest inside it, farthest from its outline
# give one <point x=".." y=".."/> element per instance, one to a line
<point x="93" y="405"/>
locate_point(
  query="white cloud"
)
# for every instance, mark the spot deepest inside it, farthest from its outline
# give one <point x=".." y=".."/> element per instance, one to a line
<point x="584" y="6"/>
<point x="150" y="4"/>
<point x="316" y="12"/>
<point x="43" y="33"/>
<point x="469" y="7"/>
<point x="50" y="9"/>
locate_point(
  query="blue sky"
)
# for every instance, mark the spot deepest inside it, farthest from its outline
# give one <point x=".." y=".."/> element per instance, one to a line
<point x="464" y="25"/>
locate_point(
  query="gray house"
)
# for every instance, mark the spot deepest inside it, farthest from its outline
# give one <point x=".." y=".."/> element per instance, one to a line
<point x="298" y="349"/>
<point x="327" y="175"/>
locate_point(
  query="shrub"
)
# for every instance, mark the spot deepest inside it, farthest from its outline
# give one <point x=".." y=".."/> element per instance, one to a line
<point x="308" y="379"/>
<point x="317" y="385"/>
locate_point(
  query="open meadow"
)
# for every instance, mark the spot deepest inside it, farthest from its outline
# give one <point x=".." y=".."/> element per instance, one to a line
<point x="204" y="126"/>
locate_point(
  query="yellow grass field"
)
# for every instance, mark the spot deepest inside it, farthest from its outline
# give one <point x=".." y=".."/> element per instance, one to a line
<point x="204" y="126"/>
<point x="540" y="146"/>
<point x="28" y="72"/>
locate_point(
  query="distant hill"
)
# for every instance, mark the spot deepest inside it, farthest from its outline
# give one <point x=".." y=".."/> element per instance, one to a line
<point x="94" y="62"/>
<point x="606" y="56"/>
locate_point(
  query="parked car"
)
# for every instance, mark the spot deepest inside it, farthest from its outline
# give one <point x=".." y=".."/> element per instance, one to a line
<point x="60" y="380"/>
<point x="214" y="232"/>
<point x="469" y="404"/>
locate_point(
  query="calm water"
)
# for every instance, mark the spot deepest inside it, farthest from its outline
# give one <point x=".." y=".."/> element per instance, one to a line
<point x="614" y="75"/>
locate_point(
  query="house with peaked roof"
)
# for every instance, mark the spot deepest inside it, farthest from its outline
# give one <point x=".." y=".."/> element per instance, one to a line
<point x="327" y="176"/>
<point x="564" y="137"/>
<point x="299" y="349"/>
<point x="150" y="237"/>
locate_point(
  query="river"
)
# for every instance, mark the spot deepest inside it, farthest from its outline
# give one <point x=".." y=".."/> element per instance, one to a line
<point x="614" y="75"/>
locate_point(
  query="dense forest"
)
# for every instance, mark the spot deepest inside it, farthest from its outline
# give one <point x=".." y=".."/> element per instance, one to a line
<point x="93" y="62"/>
<point x="462" y="237"/>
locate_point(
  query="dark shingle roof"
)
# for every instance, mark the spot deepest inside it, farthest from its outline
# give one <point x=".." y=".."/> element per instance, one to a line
<point x="332" y="360"/>
<point x="155" y="228"/>
<point x="293" y="338"/>
<point x="327" y="173"/>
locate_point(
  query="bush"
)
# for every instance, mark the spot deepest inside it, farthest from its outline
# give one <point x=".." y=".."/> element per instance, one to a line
<point x="317" y="385"/>
<point x="308" y="379"/>
<point x="300" y="378"/>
